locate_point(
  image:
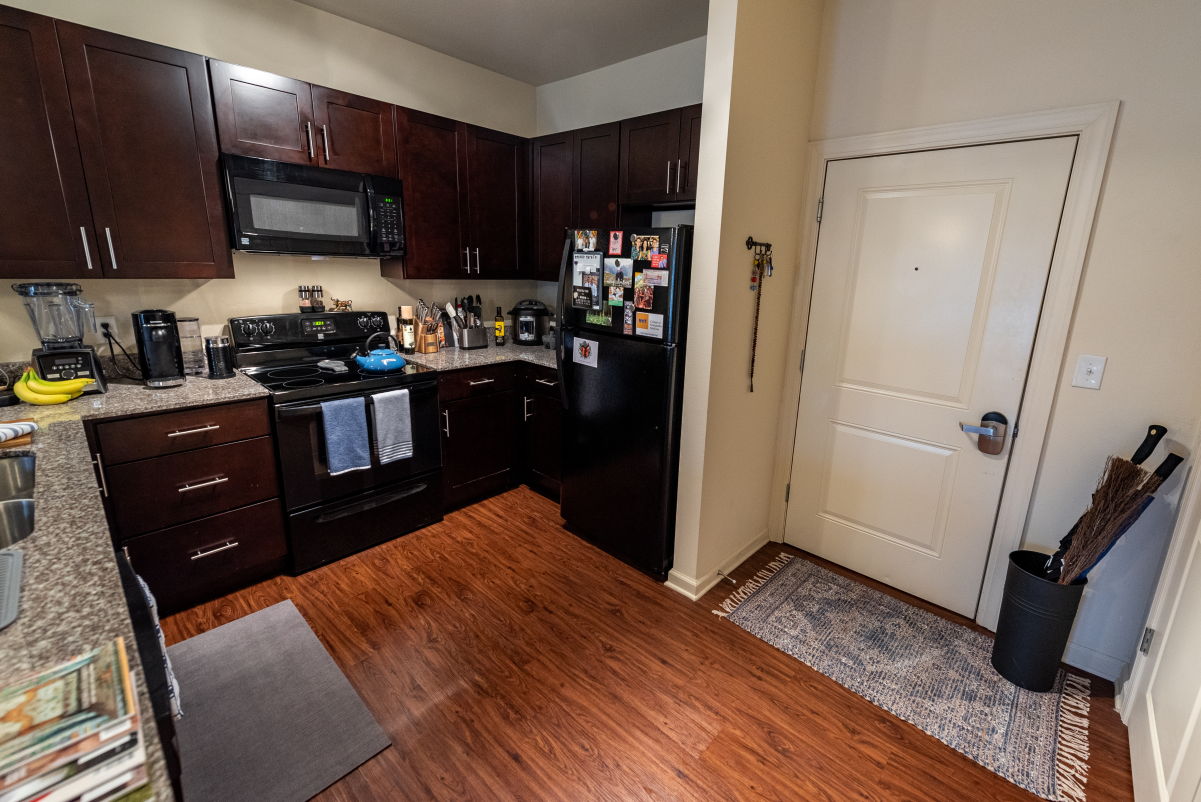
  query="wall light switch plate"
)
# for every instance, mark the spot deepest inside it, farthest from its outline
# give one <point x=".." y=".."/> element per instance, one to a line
<point x="1089" y="370"/>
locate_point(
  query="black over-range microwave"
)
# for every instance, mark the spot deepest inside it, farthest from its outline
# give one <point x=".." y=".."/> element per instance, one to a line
<point x="276" y="207"/>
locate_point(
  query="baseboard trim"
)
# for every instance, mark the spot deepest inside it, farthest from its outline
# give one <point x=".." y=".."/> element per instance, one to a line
<point x="1094" y="662"/>
<point x="694" y="588"/>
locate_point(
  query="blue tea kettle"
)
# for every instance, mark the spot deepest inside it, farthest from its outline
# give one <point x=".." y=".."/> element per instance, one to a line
<point x="381" y="360"/>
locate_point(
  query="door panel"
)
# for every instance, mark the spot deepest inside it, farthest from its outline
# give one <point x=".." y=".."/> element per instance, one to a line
<point x="650" y="147"/>
<point x="431" y="154"/>
<point x="926" y="294"/>
<point x="478" y="446"/>
<point x="596" y="178"/>
<point x="45" y="221"/>
<point x="690" y="150"/>
<point x="355" y="133"/>
<point x="263" y="115"/>
<point x="550" y="202"/>
<point x="496" y="176"/>
<point x="144" y="118"/>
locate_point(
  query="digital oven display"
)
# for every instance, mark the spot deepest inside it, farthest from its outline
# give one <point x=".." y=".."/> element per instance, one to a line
<point x="318" y="326"/>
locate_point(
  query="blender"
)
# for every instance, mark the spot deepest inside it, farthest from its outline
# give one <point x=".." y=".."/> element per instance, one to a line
<point x="59" y="315"/>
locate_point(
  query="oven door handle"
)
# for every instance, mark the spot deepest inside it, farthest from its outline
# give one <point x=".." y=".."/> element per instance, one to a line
<point x="372" y="503"/>
<point x="294" y="412"/>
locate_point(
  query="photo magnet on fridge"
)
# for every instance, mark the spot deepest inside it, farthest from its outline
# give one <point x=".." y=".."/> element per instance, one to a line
<point x="619" y="272"/>
<point x="585" y="240"/>
<point x="617" y="296"/>
<point x="659" y="260"/>
<point x="643" y="246"/>
<point x="585" y="352"/>
<point x="649" y="325"/>
<point x="615" y="243"/>
<point x="629" y="318"/>
<point x="655" y="278"/>
<point x="602" y="318"/>
<point x="581" y="297"/>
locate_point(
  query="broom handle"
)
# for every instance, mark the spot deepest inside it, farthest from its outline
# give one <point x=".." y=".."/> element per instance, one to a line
<point x="1155" y="433"/>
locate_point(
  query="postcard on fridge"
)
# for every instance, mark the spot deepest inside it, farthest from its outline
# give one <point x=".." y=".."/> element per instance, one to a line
<point x="649" y="325"/>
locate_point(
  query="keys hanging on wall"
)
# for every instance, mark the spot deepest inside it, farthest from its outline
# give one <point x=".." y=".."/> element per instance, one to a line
<point x="761" y="267"/>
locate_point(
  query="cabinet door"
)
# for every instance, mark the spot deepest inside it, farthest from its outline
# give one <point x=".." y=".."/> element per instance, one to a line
<point x="542" y="424"/>
<point x="477" y="446"/>
<point x="263" y="115"/>
<point x="596" y="170"/>
<point x="496" y="179"/>
<point x="45" y="222"/>
<point x="431" y="152"/>
<point x="650" y="148"/>
<point x="144" y="118"/>
<point x="550" y="203"/>
<point x="690" y="151"/>
<point x="354" y="133"/>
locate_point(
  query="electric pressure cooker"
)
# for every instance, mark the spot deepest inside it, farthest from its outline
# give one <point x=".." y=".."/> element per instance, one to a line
<point x="531" y="319"/>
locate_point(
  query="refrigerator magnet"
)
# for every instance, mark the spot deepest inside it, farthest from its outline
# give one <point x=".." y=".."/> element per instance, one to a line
<point x="617" y="296"/>
<point x="585" y="351"/>
<point x="649" y="325"/>
<point x="619" y="272"/>
<point x="602" y="318"/>
<point x="581" y="297"/>
<point x="659" y="260"/>
<point x="615" y="243"/>
<point x="644" y="297"/>
<point x="585" y="240"/>
<point x="629" y="317"/>
<point x="643" y="246"/>
<point x="655" y="278"/>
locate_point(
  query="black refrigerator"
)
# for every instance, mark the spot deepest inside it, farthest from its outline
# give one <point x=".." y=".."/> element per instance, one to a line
<point x="622" y="320"/>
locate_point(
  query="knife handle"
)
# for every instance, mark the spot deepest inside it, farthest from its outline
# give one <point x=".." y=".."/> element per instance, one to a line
<point x="1155" y="433"/>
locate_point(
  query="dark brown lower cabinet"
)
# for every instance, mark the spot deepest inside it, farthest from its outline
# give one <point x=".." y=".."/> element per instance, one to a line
<point x="541" y="440"/>
<point x="478" y="446"/>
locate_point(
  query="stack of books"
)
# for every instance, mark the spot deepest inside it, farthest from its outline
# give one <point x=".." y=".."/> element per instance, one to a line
<point x="73" y="734"/>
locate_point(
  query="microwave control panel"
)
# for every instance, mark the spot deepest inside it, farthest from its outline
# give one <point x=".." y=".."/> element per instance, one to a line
<point x="388" y="213"/>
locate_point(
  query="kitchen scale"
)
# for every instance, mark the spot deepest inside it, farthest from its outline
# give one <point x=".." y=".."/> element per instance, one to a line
<point x="59" y="315"/>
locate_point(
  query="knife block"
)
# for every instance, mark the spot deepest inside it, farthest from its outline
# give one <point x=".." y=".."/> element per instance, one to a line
<point x="427" y="343"/>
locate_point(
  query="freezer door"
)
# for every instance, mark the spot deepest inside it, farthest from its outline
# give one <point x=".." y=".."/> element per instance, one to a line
<point x="621" y="447"/>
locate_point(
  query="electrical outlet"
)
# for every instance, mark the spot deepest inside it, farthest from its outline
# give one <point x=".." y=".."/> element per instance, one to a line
<point x="97" y="338"/>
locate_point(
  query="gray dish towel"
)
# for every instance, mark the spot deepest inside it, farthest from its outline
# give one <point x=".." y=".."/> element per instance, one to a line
<point x="393" y="431"/>
<point x="347" y="444"/>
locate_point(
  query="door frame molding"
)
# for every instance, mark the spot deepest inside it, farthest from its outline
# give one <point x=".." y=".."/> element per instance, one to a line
<point x="1094" y="124"/>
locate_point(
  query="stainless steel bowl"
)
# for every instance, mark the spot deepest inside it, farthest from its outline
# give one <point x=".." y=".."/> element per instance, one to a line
<point x="16" y="521"/>
<point x="16" y="477"/>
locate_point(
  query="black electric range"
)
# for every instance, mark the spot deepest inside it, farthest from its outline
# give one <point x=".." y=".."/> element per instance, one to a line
<point x="305" y="360"/>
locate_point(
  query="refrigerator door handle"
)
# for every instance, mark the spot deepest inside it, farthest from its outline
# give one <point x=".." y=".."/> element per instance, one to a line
<point x="559" y="320"/>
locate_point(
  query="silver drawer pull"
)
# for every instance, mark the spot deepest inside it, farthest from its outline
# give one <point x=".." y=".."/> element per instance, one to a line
<point x="481" y="381"/>
<point x="209" y="483"/>
<point x="228" y="545"/>
<point x="548" y="384"/>
<point x="208" y="428"/>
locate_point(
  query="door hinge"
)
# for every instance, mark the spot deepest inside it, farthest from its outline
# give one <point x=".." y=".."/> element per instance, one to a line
<point x="820" y="202"/>
<point x="1148" y="636"/>
<point x="787" y="492"/>
<point x="802" y="361"/>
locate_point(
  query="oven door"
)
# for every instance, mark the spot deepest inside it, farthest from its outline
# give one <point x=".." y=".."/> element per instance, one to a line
<point x="300" y="438"/>
<point x="292" y="208"/>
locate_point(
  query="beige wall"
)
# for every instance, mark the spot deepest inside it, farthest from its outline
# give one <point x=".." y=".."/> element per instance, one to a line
<point x="301" y="42"/>
<point x="759" y="77"/>
<point x="891" y="64"/>
<point x="665" y="79"/>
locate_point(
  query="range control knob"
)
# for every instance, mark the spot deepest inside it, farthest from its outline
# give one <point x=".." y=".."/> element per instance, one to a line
<point x="363" y="322"/>
<point x="266" y="328"/>
<point x="377" y="321"/>
<point x="250" y="329"/>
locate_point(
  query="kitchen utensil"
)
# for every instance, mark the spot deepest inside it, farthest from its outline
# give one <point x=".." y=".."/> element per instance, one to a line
<point x="60" y="317"/>
<point x="219" y="356"/>
<point x="191" y="343"/>
<point x="160" y="357"/>
<point x="380" y="360"/>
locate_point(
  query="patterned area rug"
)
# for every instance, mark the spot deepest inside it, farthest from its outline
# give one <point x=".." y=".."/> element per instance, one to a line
<point x="928" y="671"/>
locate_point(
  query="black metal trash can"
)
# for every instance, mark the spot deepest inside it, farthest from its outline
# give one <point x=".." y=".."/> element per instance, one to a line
<point x="1036" y="619"/>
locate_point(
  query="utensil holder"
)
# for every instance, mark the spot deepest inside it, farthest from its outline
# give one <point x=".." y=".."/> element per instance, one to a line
<point x="427" y="344"/>
<point x="470" y="339"/>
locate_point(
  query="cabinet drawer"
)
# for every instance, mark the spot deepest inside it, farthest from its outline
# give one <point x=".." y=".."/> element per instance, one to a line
<point x="544" y="381"/>
<point x="196" y="561"/>
<point x="473" y="382"/>
<point x="155" y="493"/>
<point x="159" y="435"/>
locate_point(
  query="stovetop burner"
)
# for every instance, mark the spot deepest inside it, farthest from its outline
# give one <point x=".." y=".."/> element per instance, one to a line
<point x="290" y="382"/>
<point x="294" y="373"/>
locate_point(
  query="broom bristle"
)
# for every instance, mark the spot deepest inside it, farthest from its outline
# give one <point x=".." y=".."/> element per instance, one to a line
<point x="1119" y="494"/>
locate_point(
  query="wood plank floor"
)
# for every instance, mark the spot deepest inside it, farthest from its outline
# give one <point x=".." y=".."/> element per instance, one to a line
<point x="509" y="660"/>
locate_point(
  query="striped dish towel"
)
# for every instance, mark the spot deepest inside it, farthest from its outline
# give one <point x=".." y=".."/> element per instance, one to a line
<point x="16" y="429"/>
<point x="393" y="430"/>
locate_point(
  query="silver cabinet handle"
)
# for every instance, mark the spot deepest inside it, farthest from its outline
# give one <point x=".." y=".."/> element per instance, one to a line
<point x="108" y="232"/>
<point x="308" y="130"/>
<point x="208" y="428"/>
<point x="209" y="483"/>
<point x="468" y="252"/>
<point x="481" y="381"/>
<point x="325" y="141"/>
<point x="985" y="430"/>
<point x="679" y="172"/>
<point x="668" y="187"/>
<point x="548" y="384"/>
<point x="477" y="260"/>
<point x="525" y="409"/>
<point x="103" y="481"/>
<point x="83" y="235"/>
<point x="229" y="544"/>
<point x="446" y="414"/>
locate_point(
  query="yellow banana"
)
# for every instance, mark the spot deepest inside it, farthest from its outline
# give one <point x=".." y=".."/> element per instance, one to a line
<point x="23" y="392"/>
<point x="56" y="388"/>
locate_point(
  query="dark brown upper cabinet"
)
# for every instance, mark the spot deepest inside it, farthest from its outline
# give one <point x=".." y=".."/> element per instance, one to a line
<point x="263" y="115"/>
<point x="551" y="209"/>
<point x="496" y="185"/>
<point x="653" y="155"/>
<point x="355" y="133"/>
<point x="595" y="166"/>
<point x="432" y="153"/>
<point x="144" y="119"/>
<point x="690" y="151"/>
<point x="46" y="229"/>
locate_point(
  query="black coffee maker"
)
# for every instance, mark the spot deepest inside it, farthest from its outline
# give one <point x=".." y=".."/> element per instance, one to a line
<point x="159" y="353"/>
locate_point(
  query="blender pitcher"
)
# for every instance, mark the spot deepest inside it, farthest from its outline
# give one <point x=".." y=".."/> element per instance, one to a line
<point x="58" y="312"/>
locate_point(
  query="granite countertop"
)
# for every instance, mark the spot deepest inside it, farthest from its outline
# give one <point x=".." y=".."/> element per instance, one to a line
<point x="71" y="594"/>
<point x="457" y="358"/>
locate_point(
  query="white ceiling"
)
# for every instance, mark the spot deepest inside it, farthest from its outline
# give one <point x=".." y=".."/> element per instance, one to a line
<point x="534" y="41"/>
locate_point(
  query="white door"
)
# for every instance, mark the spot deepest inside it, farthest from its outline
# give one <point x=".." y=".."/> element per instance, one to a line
<point x="929" y="278"/>
<point x="1165" y="744"/>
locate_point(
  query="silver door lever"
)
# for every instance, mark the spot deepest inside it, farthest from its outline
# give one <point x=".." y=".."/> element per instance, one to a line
<point x="985" y="430"/>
